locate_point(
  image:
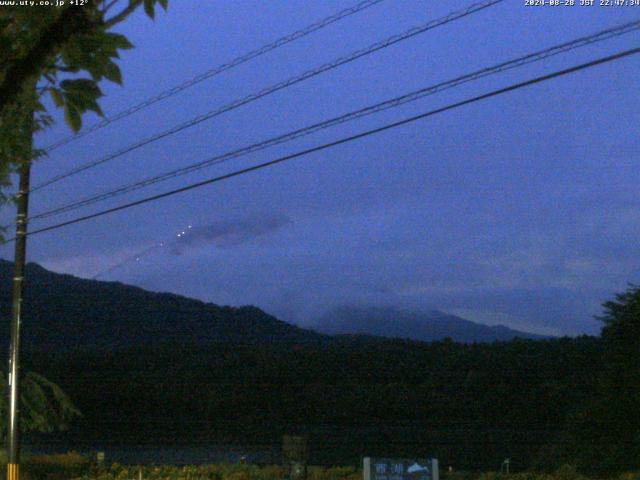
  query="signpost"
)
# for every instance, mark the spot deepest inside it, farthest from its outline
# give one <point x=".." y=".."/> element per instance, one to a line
<point x="400" y="469"/>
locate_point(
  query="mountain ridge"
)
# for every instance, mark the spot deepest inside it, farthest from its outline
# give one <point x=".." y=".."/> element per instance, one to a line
<point x="392" y="322"/>
<point x="63" y="312"/>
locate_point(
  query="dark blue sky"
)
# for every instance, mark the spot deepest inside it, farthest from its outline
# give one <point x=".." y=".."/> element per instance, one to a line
<point x="521" y="210"/>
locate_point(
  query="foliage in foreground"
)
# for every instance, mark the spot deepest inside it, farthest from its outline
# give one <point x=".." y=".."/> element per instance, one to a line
<point x="57" y="467"/>
<point x="565" y="472"/>
<point x="603" y="433"/>
<point x="44" y="407"/>
<point x="75" y="466"/>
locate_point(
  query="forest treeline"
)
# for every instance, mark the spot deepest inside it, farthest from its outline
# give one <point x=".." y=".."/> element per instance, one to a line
<point x="469" y="405"/>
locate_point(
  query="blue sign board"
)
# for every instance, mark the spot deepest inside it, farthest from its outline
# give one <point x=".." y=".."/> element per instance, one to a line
<point x="400" y="468"/>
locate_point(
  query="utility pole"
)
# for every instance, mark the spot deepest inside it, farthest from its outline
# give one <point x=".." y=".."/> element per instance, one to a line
<point x="13" y="423"/>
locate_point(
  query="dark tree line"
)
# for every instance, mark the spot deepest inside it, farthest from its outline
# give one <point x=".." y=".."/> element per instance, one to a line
<point x="471" y="405"/>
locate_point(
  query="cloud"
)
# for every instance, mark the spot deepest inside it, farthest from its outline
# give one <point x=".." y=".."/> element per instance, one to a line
<point x="228" y="233"/>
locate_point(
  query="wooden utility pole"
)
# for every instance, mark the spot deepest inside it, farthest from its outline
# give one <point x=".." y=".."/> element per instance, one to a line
<point x="13" y="421"/>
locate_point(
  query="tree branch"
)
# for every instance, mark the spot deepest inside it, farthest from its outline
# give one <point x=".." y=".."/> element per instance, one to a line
<point x="108" y="6"/>
<point x="123" y="14"/>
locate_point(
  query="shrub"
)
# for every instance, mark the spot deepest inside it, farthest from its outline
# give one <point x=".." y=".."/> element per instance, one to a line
<point x="56" y="467"/>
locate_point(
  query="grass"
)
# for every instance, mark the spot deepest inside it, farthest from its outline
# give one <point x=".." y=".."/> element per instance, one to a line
<point x="74" y="466"/>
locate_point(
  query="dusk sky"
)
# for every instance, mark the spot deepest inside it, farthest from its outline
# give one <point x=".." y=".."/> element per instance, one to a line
<point x="522" y="210"/>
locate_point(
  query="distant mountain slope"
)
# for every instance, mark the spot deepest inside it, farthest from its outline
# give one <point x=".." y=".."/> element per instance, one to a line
<point x="63" y="312"/>
<point x="428" y="327"/>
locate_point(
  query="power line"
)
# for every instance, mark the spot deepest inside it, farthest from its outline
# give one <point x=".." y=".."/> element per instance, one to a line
<point x="341" y="141"/>
<point x="412" y="32"/>
<point x="325" y="22"/>
<point x="381" y="106"/>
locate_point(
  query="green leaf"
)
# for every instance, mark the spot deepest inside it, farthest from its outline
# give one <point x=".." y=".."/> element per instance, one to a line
<point x="81" y="95"/>
<point x="149" y="8"/>
<point x="72" y="54"/>
<point x="119" y="41"/>
<point x="82" y="86"/>
<point x="164" y="4"/>
<point x="72" y="117"/>
<point x="112" y="72"/>
<point x="94" y="107"/>
<point x="81" y="92"/>
<point x="38" y="106"/>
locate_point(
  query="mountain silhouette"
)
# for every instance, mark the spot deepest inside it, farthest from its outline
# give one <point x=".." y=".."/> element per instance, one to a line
<point x="427" y="327"/>
<point x="62" y="312"/>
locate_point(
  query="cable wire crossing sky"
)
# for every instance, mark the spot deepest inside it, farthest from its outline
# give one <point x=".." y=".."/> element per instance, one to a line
<point x="381" y="106"/>
<point x="451" y="17"/>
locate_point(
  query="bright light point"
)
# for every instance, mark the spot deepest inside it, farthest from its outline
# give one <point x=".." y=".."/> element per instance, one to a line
<point x="189" y="226"/>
